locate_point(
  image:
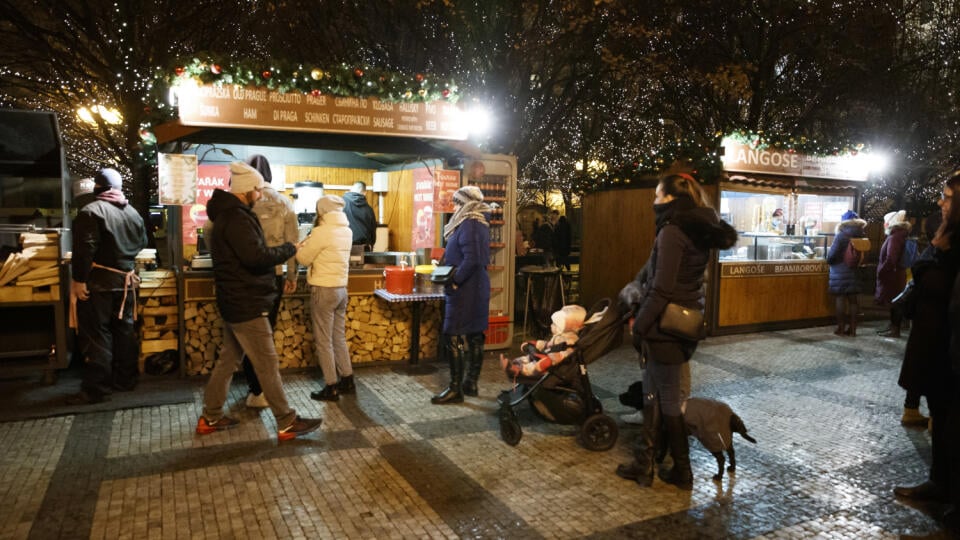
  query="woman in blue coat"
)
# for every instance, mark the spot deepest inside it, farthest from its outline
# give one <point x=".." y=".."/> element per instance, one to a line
<point x="845" y="284"/>
<point x="467" y="296"/>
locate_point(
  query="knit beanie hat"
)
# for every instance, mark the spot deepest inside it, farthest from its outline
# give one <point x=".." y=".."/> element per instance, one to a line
<point x="329" y="203"/>
<point x="244" y="178"/>
<point x="568" y="319"/>
<point x="107" y="179"/>
<point x="849" y="214"/>
<point x="468" y="194"/>
<point x="262" y="166"/>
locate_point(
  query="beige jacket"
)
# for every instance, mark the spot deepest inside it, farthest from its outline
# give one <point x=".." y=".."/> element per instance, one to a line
<point x="279" y="223"/>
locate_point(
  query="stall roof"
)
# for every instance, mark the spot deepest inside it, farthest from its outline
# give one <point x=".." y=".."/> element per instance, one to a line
<point x="792" y="182"/>
<point x="388" y="150"/>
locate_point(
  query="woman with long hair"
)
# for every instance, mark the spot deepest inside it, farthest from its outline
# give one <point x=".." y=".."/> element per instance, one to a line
<point x="927" y="365"/>
<point x="467" y="296"/>
<point x="687" y="229"/>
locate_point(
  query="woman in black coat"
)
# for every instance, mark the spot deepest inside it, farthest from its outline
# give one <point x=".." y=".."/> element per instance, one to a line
<point x="927" y="367"/>
<point x="687" y="230"/>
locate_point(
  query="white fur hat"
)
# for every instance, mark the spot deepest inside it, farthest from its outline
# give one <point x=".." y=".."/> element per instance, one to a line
<point x="244" y="178"/>
<point x="895" y="218"/>
<point x="568" y="318"/>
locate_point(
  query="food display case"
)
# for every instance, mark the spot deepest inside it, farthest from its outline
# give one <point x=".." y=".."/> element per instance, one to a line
<point x="766" y="247"/>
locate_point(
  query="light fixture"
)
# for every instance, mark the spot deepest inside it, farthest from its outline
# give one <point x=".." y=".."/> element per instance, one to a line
<point x="109" y="116"/>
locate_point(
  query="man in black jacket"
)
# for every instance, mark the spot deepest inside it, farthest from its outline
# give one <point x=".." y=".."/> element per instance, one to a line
<point x="360" y="215"/>
<point x="243" y="273"/>
<point x="107" y="236"/>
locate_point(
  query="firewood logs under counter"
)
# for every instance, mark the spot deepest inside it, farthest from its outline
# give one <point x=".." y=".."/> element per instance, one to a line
<point x="377" y="331"/>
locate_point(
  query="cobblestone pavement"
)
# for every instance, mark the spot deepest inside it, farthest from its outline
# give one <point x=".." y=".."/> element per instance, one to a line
<point x="387" y="464"/>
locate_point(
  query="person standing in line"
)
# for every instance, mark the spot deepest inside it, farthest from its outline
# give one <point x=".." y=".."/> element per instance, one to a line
<point x="467" y="296"/>
<point x="360" y="216"/>
<point x="687" y="230"/>
<point x="931" y="361"/>
<point x="326" y="254"/>
<point x="244" y="278"/>
<point x="562" y="238"/>
<point x="891" y="278"/>
<point x="844" y="283"/>
<point x="107" y="236"/>
<point x="544" y="241"/>
<point x="279" y="223"/>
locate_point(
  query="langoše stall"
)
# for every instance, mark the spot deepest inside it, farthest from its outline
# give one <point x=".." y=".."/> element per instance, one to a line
<point x="411" y="155"/>
<point x="785" y="207"/>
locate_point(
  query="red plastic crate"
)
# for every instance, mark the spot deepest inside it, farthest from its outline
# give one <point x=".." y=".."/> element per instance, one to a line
<point x="498" y="330"/>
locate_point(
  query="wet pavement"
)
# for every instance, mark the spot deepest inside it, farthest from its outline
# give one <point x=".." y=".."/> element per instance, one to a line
<point x="825" y="411"/>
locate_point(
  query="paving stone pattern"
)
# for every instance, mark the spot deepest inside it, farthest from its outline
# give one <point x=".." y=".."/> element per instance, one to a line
<point x="388" y="464"/>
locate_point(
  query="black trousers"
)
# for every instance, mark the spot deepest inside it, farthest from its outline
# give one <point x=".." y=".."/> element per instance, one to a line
<point x="109" y="344"/>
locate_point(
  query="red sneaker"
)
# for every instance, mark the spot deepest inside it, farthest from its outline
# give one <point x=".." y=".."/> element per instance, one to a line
<point x="205" y="427"/>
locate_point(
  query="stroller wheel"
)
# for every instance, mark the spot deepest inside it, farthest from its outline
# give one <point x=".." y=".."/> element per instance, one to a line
<point x="510" y="430"/>
<point x="599" y="433"/>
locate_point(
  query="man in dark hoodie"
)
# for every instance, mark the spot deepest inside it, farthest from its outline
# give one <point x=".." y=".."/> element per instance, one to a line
<point x="243" y="273"/>
<point x="107" y="235"/>
<point x="360" y="215"/>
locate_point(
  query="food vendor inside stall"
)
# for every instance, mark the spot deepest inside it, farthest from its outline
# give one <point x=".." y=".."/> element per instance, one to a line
<point x="785" y="207"/>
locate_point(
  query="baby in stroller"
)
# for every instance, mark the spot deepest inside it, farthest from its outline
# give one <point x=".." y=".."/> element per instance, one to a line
<point x="540" y="355"/>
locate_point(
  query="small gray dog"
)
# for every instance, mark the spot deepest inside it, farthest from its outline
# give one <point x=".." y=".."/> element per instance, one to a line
<point x="712" y="422"/>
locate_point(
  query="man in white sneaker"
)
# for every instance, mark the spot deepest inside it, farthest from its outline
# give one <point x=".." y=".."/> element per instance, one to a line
<point x="243" y="273"/>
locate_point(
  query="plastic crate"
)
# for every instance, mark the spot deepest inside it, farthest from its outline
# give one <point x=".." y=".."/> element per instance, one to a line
<point x="498" y="330"/>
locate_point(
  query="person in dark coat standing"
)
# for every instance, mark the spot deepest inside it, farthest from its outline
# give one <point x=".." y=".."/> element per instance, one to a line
<point x="360" y="216"/>
<point x="245" y="284"/>
<point x="687" y="230"/>
<point x="930" y="364"/>
<point x="107" y="235"/>
<point x="844" y="281"/>
<point x="544" y="241"/>
<point x="891" y="278"/>
<point x="467" y="296"/>
<point x="562" y="238"/>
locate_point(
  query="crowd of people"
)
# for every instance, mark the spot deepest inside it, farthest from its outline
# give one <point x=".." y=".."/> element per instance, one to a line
<point x="252" y="236"/>
<point x="552" y="238"/>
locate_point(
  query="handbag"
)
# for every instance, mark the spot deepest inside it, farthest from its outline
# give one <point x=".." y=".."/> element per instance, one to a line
<point x="906" y="301"/>
<point x="682" y="322"/>
<point x="443" y="274"/>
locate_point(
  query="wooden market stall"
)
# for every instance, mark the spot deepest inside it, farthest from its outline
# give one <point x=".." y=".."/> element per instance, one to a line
<point x="412" y="154"/>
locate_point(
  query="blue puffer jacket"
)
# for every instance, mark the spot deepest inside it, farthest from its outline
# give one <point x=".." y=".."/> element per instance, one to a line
<point x="467" y="307"/>
<point x="843" y="279"/>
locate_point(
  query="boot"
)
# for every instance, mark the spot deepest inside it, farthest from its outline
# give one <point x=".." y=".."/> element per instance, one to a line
<point x="680" y="475"/>
<point x="452" y="393"/>
<point x="640" y="469"/>
<point x="475" y="344"/>
<point x="890" y="331"/>
<point x="913" y="418"/>
<point x="852" y="330"/>
<point x="346" y="385"/>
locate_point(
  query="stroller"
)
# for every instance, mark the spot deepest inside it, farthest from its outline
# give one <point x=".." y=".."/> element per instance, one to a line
<point x="563" y="394"/>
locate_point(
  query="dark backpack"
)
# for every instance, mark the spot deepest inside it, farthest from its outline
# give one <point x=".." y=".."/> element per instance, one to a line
<point x="909" y="254"/>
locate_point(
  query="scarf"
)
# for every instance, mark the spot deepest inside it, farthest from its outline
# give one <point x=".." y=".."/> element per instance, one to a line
<point x="113" y="195"/>
<point x="472" y="210"/>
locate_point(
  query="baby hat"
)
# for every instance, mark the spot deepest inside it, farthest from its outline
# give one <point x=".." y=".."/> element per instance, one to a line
<point x="468" y="194"/>
<point x="849" y="214"/>
<point x="244" y="178"/>
<point x="329" y="203"/>
<point x="107" y="179"/>
<point x="568" y="318"/>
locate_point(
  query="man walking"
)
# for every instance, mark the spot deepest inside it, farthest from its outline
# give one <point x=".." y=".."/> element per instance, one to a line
<point x="243" y="273"/>
<point x="107" y="235"/>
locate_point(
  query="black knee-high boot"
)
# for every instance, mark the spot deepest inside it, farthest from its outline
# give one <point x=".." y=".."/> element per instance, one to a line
<point x="644" y="454"/>
<point x="455" y="353"/>
<point x="474" y="355"/>
<point x="680" y="475"/>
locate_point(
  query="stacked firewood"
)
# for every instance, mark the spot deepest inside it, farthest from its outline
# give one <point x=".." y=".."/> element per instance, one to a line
<point x="32" y="274"/>
<point x="376" y="331"/>
<point x="157" y="313"/>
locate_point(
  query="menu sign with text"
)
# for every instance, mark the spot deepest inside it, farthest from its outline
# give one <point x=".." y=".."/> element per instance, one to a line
<point x="209" y="178"/>
<point x="177" y="178"/>
<point x="743" y="158"/>
<point x="423" y="235"/>
<point x="447" y="183"/>
<point x="260" y="108"/>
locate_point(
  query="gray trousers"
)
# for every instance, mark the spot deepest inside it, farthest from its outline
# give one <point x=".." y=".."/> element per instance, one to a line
<point x="328" y="311"/>
<point x="255" y="338"/>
